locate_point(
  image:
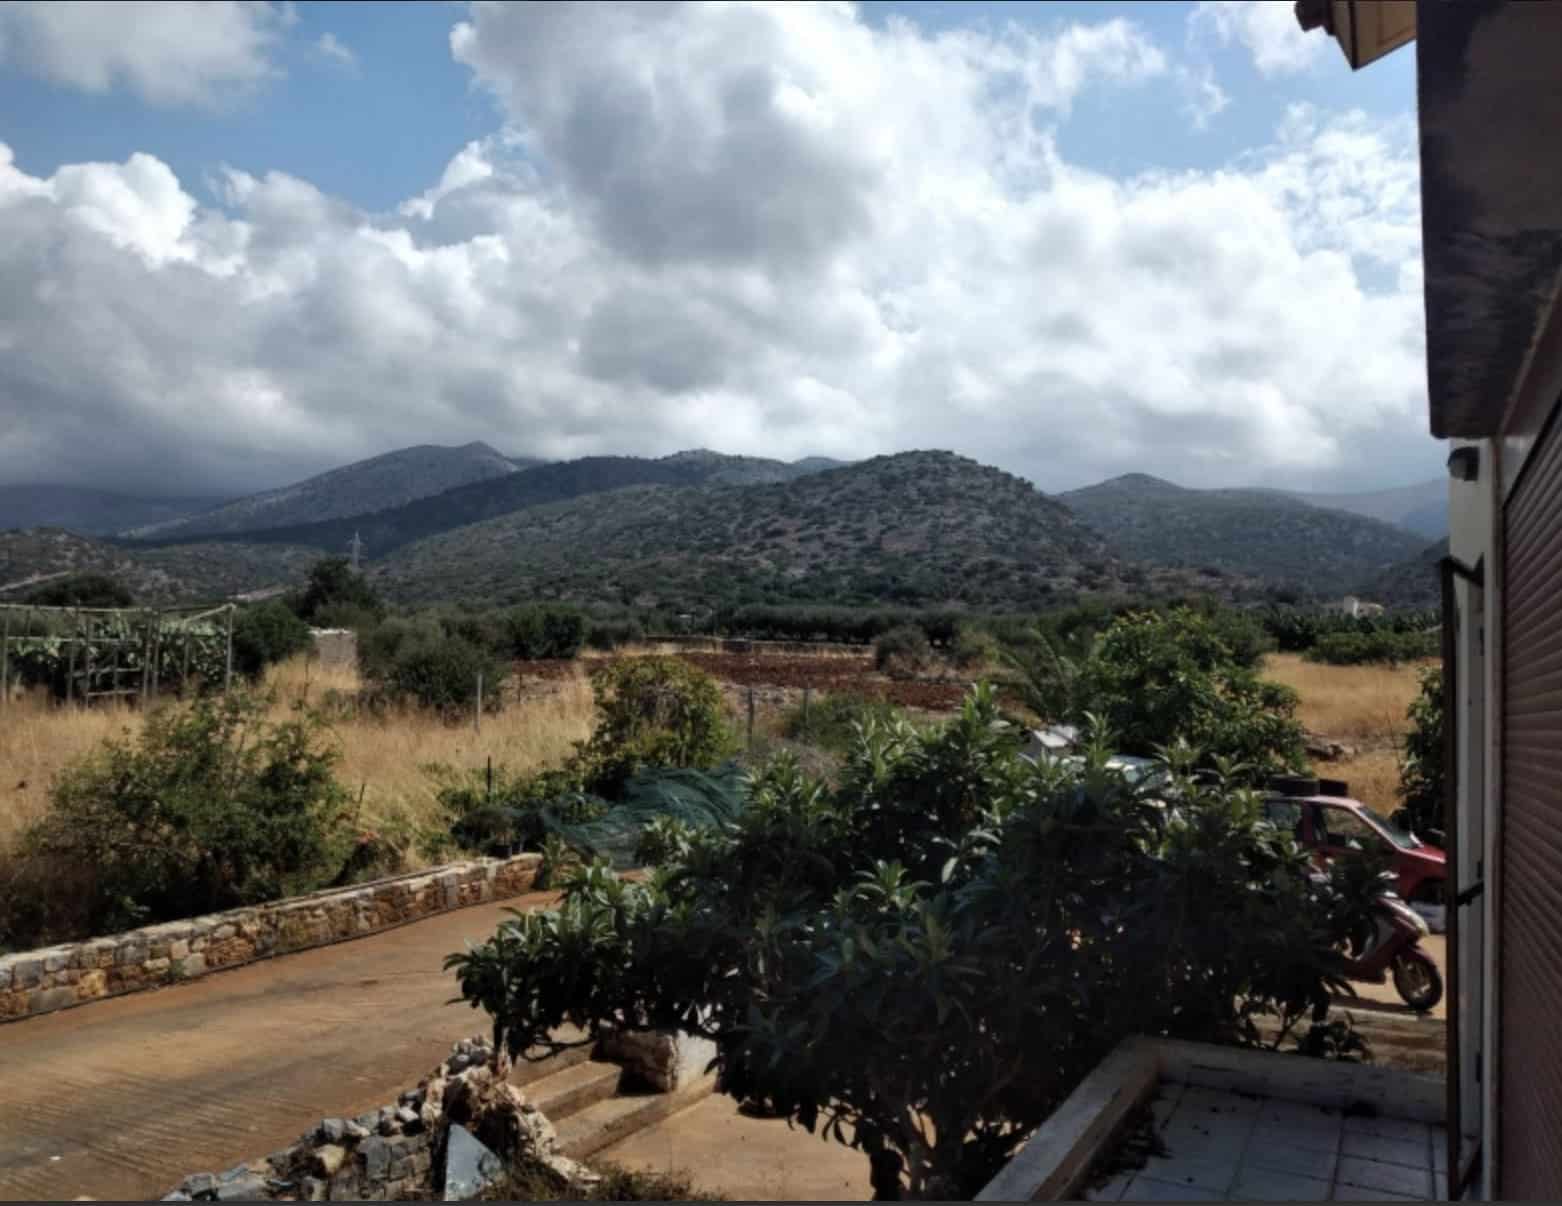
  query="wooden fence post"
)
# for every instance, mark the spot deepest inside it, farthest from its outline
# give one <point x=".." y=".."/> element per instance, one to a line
<point x="751" y="719"/>
<point x="477" y="714"/>
<point x="5" y="660"/>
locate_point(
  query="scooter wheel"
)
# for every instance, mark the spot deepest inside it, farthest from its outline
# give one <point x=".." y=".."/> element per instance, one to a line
<point x="1417" y="980"/>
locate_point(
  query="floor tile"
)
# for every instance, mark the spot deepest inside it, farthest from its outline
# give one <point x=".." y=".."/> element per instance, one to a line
<point x="1402" y="1130"/>
<point x="1214" y="1101"/>
<point x="1164" y="1104"/>
<point x="1200" y="1138"/>
<point x="1319" y="1134"/>
<point x="1391" y="1178"/>
<point x="1415" y="1153"/>
<point x="1212" y="1176"/>
<point x="1111" y="1191"/>
<point x="1146" y="1189"/>
<point x="1280" y="1155"/>
<point x="1353" y="1193"/>
<point x="1303" y="1113"/>
<point x="1268" y="1185"/>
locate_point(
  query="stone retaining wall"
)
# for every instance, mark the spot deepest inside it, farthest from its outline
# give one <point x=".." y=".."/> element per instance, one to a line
<point x="40" y="981"/>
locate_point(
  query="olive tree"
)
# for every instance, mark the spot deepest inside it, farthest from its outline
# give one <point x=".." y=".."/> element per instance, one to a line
<point x="923" y="959"/>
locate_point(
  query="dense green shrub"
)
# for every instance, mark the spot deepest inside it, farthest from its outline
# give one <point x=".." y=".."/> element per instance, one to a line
<point x="208" y="808"/>
<point x="653" y="711"/>
<point x="345" y="615"/>
<point x="334" y="584"/>
<point x="832" y="721"/>
<point x="265" y="634"/>
<point x="1296" y="630"/>
<point x="442" y="673"/>
<point x="81" y="590"/>
<point x="1361" y="648"/>
<point x="1421" y="781"/>
<point x="973" y="648"/>
<point x="605" y="634"/>
<point x="943" y="944"/>
<point x="500" y="812"/>
<point x="379" y="646"/>
<point x="1157" y="679"/>
<point x="544" y="632"/>
<point x="903" y="651"/>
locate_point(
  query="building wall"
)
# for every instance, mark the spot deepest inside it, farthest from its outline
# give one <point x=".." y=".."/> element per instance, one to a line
<point x="1474" y="514"/>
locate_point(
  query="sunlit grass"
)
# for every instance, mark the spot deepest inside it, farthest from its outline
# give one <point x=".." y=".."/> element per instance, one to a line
<point x="1359" y="705"/>
<point x="383" y="758"/>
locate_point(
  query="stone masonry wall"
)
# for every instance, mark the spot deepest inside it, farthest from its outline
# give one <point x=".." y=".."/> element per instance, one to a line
<point x="40" y="981"/>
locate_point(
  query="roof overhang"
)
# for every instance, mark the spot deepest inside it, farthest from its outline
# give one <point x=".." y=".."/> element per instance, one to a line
<point x="1491" y="206"/>
<point x="1366" y="30"/>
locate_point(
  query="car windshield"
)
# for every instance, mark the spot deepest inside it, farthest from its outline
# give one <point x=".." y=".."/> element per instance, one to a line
<point x="1402" y="838"/>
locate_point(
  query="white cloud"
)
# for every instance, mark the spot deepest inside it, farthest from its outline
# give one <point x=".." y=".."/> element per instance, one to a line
<point x="168" y="54"/>
<point x="1203" y="98"/>
<point x="332" y="48"/>
<point x="768" y="230"/>
<point x="1267" y="28"/>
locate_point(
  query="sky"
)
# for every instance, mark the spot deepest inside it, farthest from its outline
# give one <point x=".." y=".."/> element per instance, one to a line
<point x="242" y="243"/>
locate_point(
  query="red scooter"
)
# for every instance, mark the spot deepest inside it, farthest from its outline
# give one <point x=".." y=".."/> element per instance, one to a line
<point x="1390" y="945"/>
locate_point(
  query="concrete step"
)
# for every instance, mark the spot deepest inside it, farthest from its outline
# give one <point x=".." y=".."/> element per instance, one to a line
<point x="606" y="1122"/>
<point x="567" y="1092"/>
<point x="525" y="1072"/>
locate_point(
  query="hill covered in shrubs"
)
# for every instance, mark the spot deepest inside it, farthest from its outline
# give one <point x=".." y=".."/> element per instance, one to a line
<point x="1259" y="533"/>
<point x="913" y="529"/>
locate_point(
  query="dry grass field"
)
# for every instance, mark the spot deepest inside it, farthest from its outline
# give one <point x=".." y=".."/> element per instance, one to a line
<point x="384" y="757"/>
<point x="1360" y="706"/>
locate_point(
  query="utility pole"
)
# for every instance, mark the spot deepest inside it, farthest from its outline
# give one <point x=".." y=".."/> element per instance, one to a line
<point x="356" y="546"/>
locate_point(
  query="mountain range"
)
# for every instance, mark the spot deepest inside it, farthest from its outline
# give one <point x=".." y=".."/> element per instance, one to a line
<point x="92" y="512"/>
<point x="921" y="527"/>
<point x="1262" y="533"/>
<point x="372" y="485"/>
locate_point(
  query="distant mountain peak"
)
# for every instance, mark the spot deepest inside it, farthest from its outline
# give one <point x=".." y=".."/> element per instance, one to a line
<point x="1143" y="481"/>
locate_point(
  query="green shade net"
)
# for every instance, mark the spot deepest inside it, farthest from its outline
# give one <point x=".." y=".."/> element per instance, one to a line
<point x="695" y="797"/>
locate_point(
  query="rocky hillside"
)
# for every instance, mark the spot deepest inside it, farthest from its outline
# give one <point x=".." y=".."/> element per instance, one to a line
<point x="1412" y="583"/>
<point x="90" y="512"/>
<point x="916" y="528"/>
<point x="372" y="485"/>
<point x="179" y="573"/>
<point x="384" y="531"/>
<point x="1263" y="534"/>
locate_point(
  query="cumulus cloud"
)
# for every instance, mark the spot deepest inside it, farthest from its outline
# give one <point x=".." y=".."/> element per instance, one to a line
<point x="167" y="54"/>
<point x="334" y="50"/>
<point x="772" y="230"/>
<point x="1267" y="28"/>
<point x="1203" y="98"/>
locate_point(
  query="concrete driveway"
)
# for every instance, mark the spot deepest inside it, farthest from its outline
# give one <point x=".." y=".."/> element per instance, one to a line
<point x="122" y="1098"/>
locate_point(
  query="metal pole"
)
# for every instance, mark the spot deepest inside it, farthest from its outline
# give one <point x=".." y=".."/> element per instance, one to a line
<point x="805" y="709"/>
<point x="157" y="656"/>
<point x="477" y="716"/>
<point x="751" y="719"/>
<point x="86" y="658"/>
<point x="146" y="661"/>
<point x="5" y="660"/>
<point x="227" y="673"/>
<point x="70" y="669"/>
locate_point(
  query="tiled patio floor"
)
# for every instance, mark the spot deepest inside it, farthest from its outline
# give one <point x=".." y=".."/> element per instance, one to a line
<point x="1226" y="1146"/>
